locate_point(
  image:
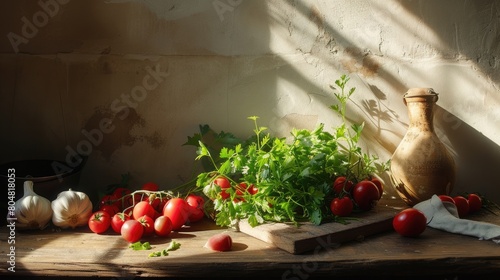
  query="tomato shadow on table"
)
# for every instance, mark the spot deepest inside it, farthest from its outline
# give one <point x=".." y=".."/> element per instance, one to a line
<point x="238" y="246"/>
<point x="174" y="235"/>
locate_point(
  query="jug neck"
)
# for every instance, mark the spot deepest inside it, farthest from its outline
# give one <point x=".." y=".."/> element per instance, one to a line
<point x="421" y="112"/>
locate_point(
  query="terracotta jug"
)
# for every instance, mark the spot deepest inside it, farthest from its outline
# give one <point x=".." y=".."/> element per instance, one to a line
<point x="421" y="166"/>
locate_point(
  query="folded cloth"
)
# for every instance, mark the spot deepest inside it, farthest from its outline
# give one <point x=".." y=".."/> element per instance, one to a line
<point x="444" y="216"/>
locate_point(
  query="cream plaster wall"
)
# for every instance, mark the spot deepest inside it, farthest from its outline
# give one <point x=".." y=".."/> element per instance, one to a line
<point x="65" y="66"/>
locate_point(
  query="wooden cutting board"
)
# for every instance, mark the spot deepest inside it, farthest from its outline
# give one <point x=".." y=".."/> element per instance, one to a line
<point x="308" y="237"/>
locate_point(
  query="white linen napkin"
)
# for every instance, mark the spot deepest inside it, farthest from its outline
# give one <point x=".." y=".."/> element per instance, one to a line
<point x="444" y="216"/>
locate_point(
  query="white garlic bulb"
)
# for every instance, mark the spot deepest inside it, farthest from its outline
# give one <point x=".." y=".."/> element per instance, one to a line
<point x="32" y="211"/>
<point x="71" y="209"/>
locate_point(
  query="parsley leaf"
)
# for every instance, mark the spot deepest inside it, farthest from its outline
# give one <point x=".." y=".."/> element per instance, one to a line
<point x="174" y="245"/>
<point x="140" y="246"/>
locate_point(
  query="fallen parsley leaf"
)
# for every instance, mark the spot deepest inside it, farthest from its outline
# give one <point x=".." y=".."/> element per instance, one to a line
<point x="156" y="254"/>
<point x="140" y="246"/>
<point x="171" y="247"/>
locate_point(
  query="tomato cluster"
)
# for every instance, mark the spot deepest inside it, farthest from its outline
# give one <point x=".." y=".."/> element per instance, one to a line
<point x="240" y="190"/>
<point x="465" y="205"/>
<point x="145" y="212"/>
<point x="412" y="222"/>
<point x="350" y="196"/>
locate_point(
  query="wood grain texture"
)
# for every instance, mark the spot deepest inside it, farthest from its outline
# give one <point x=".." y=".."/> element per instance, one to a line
<point x="81" y="253"/>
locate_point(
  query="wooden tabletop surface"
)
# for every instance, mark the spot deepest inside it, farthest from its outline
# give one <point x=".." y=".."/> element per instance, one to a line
<point x="81" y="253"/>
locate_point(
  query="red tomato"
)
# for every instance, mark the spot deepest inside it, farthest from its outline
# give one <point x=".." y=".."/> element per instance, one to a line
<point x="143" y="208"/>
<point x="475" y="203"/>
<point x="241" y="189"/>
<point x="148" y="224"/>
<point x="150" y="187"/>
<point x="342" y="207"/>
<point x="157" y="202"/>
<point x="195" y="215"/>
<point x="110" y="199"/>
<point x="220" y="242"/>
<point x="111" y="209"/>
<point x="410" y="222"/>
<point x="195" y="206"/>
<point x="178" y="212"/>
<point x="379" y="185"/>
<point x="163" y="226"/>
<point x="125" y="199"/>
<point x="138" y="197"/>
<point x="132" y="230"/>
<point x="99" y="221"/>
<point x="342" y="185"/>
<point x="157" y="214"/>
<point x="117" y="221"/>
<point x="448" y="198"/>
<point x="365" y="194"/>
<point x="462" y="205"/>
<point x="224" y="184"/>
<point x="163" y="201"/>
<point x="121" y="192"/>
<point x="252" y="189"/>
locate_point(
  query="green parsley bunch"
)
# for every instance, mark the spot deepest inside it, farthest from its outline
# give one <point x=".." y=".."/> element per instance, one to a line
<point x="293" y="178"/>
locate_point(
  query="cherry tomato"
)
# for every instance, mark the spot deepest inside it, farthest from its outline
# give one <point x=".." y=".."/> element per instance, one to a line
<point x="475" y="203"/>
<point x="132" y="230"/>
<point x="121" y="192"/>
<point x="157" y="214"/>
<point x="379" y="185"/>
<point x="195" y="201"/>
<point x="148" y="224"/>
<point x="462" y="205"/>
<point x="109" y="199"/>
<point x="125" y="199"/>
<point x="195" y="215"/>
<point x="99" y="221"/>
<point x="195" y="206"/>
<point x="365" y="194"/>
<point x="342" y="207"/>
<point x="143" y="208"/>
<point x="241" y="189"/>
<point x="220" y="242"/>
<point x="111" y="209"/>
<point x="342" y="185"/>
<point x="138" y="197"/>
<point x="447" y="198"/>
<point x="157" y="202"/>
<point x="252" y="189"/>
<point x="163" y="226"/>
<point x="150" y="186"/>
<point x="178" y="212"/>
<point x="117" y="221"/>
<point x="244" y="188"/>
<point x="410" y="222"/>
<point x="164" y="201"/>
<point x="224" y="184"/>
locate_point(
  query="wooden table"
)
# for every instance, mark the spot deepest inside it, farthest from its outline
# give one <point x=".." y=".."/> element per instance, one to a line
<point x="81" y="253"/>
